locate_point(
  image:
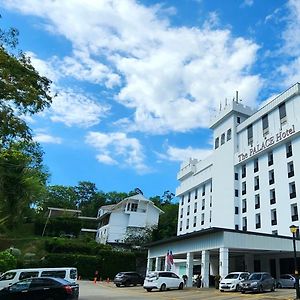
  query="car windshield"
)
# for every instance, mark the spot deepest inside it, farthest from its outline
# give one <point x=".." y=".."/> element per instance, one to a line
<point x="152" y="275"/>
<point x="232" y="276"/>
<point x="255" y="276"/>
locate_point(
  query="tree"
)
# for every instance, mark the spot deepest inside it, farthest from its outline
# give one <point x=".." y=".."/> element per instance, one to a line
<point x="22" y="180"/>
<point x="7" y="261"/>
<point x="22" y="90"/>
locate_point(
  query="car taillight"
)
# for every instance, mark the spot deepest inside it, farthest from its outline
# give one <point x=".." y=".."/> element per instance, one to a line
<point x="68" y="289"/>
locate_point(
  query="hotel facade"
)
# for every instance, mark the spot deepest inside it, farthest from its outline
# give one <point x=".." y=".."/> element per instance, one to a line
<point x="236" y="206"/>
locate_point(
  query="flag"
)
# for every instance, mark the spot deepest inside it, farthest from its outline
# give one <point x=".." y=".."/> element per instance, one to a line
<point x="170" y="260"/>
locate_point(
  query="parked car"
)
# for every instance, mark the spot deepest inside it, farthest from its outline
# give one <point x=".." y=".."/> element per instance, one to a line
<point x="41" y="288"/>
<point x="232" y="281"/>
<point x="162" y="280"/>
<point x="258" y="282"/>
<point x="286" y="281"/>
<point x="128" y="278"/>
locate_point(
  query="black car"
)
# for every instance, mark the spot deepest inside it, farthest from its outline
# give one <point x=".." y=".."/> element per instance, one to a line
<point x="128" y="278"/>
<point x="258" y="282"/>
<point x="41" y="288"/>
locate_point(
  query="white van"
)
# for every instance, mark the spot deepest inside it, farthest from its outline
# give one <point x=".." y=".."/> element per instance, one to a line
<point x="12" y="276"/>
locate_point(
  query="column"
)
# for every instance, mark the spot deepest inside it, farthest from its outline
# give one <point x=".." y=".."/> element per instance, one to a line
<point x="205" y="268"/>
<point x="157" y="264"/>
<point x="148" y="264"/>
<point x="223" y="261"/>
<point x="189" y="268"/>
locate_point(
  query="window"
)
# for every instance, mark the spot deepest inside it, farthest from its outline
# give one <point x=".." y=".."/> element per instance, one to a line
<point x="210" y="214"/>
<point x="236" y="193"/>
<point x="202" y="219"/>
<point x="282" y="114"/>
<point x="292" y="187"/>
<point x="257" y="221"/>
<point x="203" y="190"/>
<point x="188" y="210"/>
<point x="243" y="171"/>
<point x="290" y="167"/>
<point x="257" y="201"/>
<point x="289" y="150"/>
<point x="24" y="275"/>
<point x="236" y="227"/>
<point x="236" y="210"/>
<point x="244" y="224"/>
<point x="274" y="232"/>
<point x="244" y="189"/>
<point x="203" y="204"/>
<point x="222" y="138"/>
<point x="180" y="226"/>
<point x="189" y="197"/>
<point x="244" y="205"/>
<point x="210" y="201"/>
<point x="294" y="212"/>
<point x="265" y="124"/>
<point x="195" y="221"/>
<point x="238" y="120"/>
<point x="211" y="187"/>
<point x="187" y="224"/>
<point x="228" y="134"/>
<point x="182" y="200"/>
<point x="272" y="197"/>
<point x="58" y="274"/>
<point x="271" y="177"/>
<point x="134" y="206"/>
<point x="273" y="217"/>
<point x="196" y="193"/>
<point x="217" y="143"/>
<point x="256" y="183"/>
<point x="270" y="158"/>
<point x="181" y="213"/>
<point x="255" y="165"/>
<point x="195" y="207"/>
<point x="250" y="134"/>
<point x="236" y="176"/>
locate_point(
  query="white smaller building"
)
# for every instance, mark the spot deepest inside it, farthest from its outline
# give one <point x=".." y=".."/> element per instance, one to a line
<point x="132" y="214"/>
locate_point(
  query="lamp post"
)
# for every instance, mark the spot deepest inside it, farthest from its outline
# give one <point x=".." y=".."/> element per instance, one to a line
<point x="294" y="230"/>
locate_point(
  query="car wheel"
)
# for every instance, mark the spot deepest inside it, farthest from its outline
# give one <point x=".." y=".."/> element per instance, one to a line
<point x="127" y="283"/>
<point x="163" y="287"/>
<point x="238" y="288"/>
<point x="180" y="286"/>
<point x="260" y="289"/>
<point x="149" y="290"/>
<point x="279" y="285"/>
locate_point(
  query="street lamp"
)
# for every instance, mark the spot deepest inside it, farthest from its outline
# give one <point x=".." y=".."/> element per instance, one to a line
<point x="294" y="230"/>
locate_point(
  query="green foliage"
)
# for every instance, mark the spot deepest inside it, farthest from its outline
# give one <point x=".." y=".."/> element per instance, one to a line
<point x="108" y="263"/>
<point x="62" y="225"/>
<point x="139" y="237"/>
<point x="7" y="261"/>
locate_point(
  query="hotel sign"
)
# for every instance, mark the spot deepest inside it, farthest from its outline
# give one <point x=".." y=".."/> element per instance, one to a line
<point x="268" y="142"/>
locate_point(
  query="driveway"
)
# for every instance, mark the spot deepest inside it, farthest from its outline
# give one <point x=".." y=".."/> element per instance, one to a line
<point x="103" y="290"/>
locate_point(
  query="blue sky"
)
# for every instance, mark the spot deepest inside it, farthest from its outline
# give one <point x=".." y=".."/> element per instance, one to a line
<point x="138" y="82"/>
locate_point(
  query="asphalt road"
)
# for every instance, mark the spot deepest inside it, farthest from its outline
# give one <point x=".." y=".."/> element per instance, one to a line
<point x="103" y="290"/>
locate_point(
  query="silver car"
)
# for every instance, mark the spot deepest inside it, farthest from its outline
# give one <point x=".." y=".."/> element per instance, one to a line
<point x="286" y="281"/>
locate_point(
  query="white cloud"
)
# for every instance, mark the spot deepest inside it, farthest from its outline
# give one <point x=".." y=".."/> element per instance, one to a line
<point x="73" y="108"/>
<point x="169" y="76"/>
<point x="47" y="139"/>
<point x="118" y="148"/>
<point x="248" y="2"/>
<point x="183" y="154"/>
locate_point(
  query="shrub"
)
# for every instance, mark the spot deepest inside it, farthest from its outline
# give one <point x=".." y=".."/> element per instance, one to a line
<point x="7" y="261"/>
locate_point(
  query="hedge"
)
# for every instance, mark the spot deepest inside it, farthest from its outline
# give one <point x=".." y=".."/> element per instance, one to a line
<point x="107" y="263"/>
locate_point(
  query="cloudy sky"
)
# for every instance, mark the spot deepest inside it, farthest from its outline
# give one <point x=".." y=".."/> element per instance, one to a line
<point x="138" y="82"/>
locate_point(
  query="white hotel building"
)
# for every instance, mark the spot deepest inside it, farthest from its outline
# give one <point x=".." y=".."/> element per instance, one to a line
<point x="236" y="206"/>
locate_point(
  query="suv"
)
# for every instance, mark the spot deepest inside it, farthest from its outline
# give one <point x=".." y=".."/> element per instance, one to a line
<point x="258" y="282"/>
<point x="232" y="281"/>
<point x="128" y="278"/>
<point x="162" y="280"/>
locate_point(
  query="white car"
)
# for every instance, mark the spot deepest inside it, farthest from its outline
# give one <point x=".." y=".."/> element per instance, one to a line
<point x="232" y="281"/>
<point x="162" y="280"/>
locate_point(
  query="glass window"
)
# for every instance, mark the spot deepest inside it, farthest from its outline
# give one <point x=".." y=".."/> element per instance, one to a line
<point x="222" y="138"/>
<point x="271" y="177"/>
<point x="250" y="134"/>
<point x="270" y="158"/>
<point x="244" y="205"/>
<point x="238" y="120"/>
<point x="282" y="113"/>
<point x="8" y="276"/>
<point x="196" y="193"/>
<point x="244" y="189"/>
<point x="290" y="167"/>
<point x="59" y="274"/>
<point x="228" y="134"/>
<point x="24" y="275"/>
<point x="294" y="212"/>
<point x="243" y="171"/>
<point x="134" y="206"/>
<point x="195" y="207"/>
<point x="20" y="286"/>
<point x="188" y="210"/>
<point x="257" y="220"/>
<point x="272" y="196"/>
<point x="257" y="201"/>
<point x="203" y="190"/>
<point x="289" y="150"/>
<point x="265" y="124"/>
<point x="273" y="217"/>
<point x="217" y="143"/>
<point x="292" y="188"/>
<point x="256" y="165"/>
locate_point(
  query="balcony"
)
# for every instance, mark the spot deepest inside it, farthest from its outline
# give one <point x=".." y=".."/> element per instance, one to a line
<point x="292" y="195"/>
<point x="295" y="218"/>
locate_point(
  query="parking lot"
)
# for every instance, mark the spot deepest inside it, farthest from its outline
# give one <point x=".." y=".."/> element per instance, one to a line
<point x="104" y="290"/>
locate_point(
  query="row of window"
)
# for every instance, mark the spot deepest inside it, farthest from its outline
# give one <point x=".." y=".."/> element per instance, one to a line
<point x="196" y="192"/>
<point x="228" y="138"/>
<point x="187" y="226"/>
<point x="265" y="123"/>
<point x="195" y="207"/>
<point x="294" y="217"/>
